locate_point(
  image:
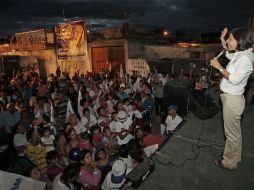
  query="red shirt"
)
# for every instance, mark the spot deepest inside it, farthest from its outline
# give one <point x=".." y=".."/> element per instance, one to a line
<point x="152" y="140"/>
<point x="53" y="172"/>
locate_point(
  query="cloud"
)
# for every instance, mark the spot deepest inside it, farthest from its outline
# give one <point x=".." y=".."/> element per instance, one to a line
<point x="175" y="14"/>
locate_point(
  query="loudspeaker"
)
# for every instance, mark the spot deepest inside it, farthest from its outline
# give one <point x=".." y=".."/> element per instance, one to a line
<point x="181" y="93"/>
<point x="202" y="106"/>
<point x="176" y="92"/>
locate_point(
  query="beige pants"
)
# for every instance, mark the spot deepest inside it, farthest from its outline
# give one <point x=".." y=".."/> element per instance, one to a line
<point x="233" y="106"/>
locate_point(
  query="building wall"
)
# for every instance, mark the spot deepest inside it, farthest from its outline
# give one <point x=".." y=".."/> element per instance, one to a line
<point x="155" y="52"/>
<point x="135" y="49"/>
<point x="71" y="64"/>
<point x="113" y="46"/>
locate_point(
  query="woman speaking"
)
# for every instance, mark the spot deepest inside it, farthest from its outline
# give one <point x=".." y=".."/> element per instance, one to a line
<point x="234" y="79"/>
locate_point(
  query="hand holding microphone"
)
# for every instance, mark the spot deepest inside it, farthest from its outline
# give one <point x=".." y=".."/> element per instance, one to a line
<point x="220" y="54"/>
<point x="215" y="63"/>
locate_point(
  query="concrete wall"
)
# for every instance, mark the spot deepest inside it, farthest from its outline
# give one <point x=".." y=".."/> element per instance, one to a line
<point x="135" y="49"/>
<point x="72" y="64"/>
<point x="152" y="52"/>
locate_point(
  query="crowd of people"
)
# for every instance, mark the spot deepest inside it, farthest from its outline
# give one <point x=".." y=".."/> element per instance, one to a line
<point x="85" y="131"/>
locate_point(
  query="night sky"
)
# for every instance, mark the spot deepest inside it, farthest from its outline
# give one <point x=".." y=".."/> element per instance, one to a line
<point x="185" y="15"/>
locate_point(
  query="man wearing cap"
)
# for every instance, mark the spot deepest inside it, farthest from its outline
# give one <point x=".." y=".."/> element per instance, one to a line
<point x="173" y="119"/>
<point x="116" y="177"/>
<point x="123" y="128"/>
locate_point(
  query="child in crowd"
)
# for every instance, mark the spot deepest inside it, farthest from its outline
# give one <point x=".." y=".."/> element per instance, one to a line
<point x="54" y="166"/>
<point x="47" y="123"/>
<point x="48" y="140"/>
<point x="88" y="120"/>
<point x="85" y="142"/>
<point x="103" y="120"/>
<point x="110" y="103"/>
<point x="127" y="106"/>
<point x="97" y="137"/>
<point x="112" y="124"/>
<point x="109" y="140"/>
<point x="33" y="172"/>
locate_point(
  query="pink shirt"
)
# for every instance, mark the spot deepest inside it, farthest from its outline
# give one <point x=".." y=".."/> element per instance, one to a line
<point x="85" y="145"/>
<point x="89" y="179"/>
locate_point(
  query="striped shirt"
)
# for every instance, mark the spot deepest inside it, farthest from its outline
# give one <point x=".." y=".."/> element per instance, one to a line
<point x="37" y="155"/>
<point x="61" y="108"/>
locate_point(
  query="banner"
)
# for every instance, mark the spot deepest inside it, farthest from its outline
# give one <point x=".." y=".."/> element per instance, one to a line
<point x="32" y="40"/>
<point x="69" y="110"/>
<point x="70" y="39"/>
<point x="80" y="108"/>
<point x="18" y="182"/>
<point x="138" y="66"/>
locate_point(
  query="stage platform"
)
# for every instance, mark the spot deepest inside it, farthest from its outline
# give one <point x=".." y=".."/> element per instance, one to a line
<point x="185" y="164"/>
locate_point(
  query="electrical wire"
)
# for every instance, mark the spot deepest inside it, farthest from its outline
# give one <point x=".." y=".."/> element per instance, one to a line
<point x="196" y="146"/>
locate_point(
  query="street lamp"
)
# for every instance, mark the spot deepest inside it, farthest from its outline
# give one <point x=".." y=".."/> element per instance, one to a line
<point x="165" y="33"/>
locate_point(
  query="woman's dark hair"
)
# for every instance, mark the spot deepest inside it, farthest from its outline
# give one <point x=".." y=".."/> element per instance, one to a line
<point x="27" y="171"/>
<point x="86" y="135"/>
<point x="116" y="105"/>
<point x="51" y="155"/>
<point x="85" y="110"/>
<point x="244" y="38"/>
<point x="97" y="153"/>
<point x="135" y="150"/>
<point x="112" y="115"/>
<point x="105" y="129"/>
<point x="123" y="152"/>
<point x="99" y="110"/>
<point x="82" y="101"/>
<point x="69" y="172"/>
<point x="83" y="154"/>
<point x="15" y="128"/>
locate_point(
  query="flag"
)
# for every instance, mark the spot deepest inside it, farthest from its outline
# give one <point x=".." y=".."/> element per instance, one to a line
<point x="69" y="110"/>
<point x="149" y="79"/>
<point x="105" y="87"/>
<point x="109" y="66"/>
<point x="38" y="114"/>
<point x="121" y="71"/>
<point x="126" y="76"/>
<point x="135" y="86"/>
<point x="52" y="119"/>
<point x="97" y="103"/>
<point x="80" y="111"/>
<point x="155" y="70"/>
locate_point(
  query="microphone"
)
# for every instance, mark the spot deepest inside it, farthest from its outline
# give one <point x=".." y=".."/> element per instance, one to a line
<point x="220" y="54"/>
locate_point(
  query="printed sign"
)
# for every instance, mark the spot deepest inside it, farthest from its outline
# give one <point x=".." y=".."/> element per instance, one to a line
<point x="18" y="182"/>
<point x="137" y="66"/>
<point x="70" y="38"/>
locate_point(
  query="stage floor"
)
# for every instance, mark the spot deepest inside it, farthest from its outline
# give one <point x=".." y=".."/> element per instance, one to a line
<point x="194" y="167"/>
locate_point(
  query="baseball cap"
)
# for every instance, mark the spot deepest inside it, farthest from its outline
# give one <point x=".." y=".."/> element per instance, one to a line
<point x="172" y="107"/>
<point x="118" y="171"/>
